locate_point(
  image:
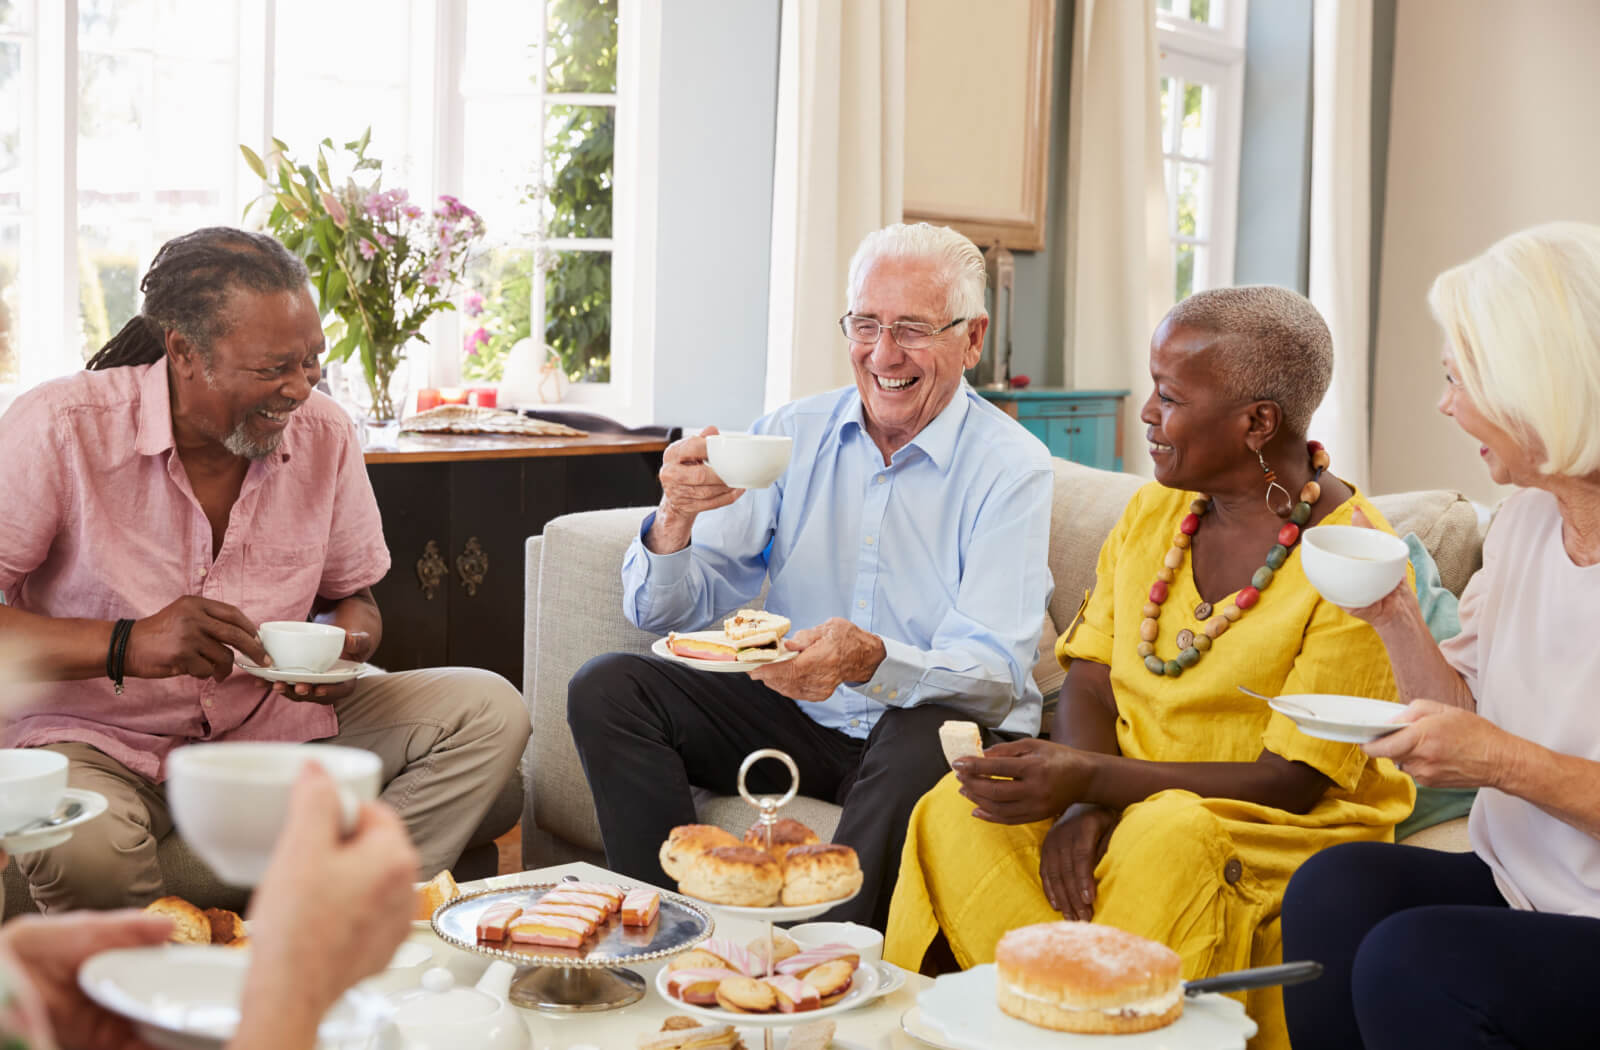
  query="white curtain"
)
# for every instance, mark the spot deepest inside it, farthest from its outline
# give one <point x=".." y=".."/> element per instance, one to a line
<point x="1341" y="222"/>
<point x="838" y="162"/>
<point x="1119" y="263"/>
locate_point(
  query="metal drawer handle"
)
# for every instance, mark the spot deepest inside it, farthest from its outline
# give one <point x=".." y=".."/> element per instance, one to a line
<point x="473" y="565"/>
<point x="431" y="569"/>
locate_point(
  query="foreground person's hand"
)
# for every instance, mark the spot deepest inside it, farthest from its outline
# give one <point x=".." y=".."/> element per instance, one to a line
<point x="329" y="911"/>
<point x="48" y="951"/>
<point x="1021" y="781"/>
<point x="1446" y="747"/>
<point x="689" y="487"/>
<point x="832" y="653"/>
<point x="1068" y="856"/>
<point x="358" y="648"/>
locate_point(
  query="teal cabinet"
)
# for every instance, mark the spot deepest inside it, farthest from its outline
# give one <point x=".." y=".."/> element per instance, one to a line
<point x="1084" y="426"/>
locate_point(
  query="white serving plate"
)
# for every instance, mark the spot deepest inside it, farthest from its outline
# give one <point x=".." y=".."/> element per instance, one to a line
<point x="863" y="990"/>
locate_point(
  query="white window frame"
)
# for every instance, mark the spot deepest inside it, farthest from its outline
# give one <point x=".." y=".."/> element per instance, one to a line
<point x="48" y="263"/>
<point x="1214" y="54"/>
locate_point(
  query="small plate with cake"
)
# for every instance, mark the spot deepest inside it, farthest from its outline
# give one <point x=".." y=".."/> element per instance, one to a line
<point x="808" y="986"/>
<point x="749" y="638"/>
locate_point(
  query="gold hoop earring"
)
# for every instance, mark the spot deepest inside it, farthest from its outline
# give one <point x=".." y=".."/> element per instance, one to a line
<point x="1272" y="483"/>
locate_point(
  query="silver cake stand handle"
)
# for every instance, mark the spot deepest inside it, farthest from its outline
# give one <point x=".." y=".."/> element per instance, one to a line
<point x="768" y="806"/>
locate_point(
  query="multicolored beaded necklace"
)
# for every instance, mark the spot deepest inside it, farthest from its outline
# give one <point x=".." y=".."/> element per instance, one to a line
<point x="1191" y="644"/>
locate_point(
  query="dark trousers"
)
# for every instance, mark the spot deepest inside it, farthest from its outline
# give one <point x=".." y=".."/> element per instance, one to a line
<point x="1421" y="950"/>
<point x="647" y="728"/>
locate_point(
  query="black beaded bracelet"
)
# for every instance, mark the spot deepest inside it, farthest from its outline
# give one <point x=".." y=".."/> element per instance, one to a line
<point x="117" y="652"/>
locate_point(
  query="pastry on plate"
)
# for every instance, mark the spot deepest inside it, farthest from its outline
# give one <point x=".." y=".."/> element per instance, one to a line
<point x="189" y="924"/>
<point x="1086" y="977"/>
<point x="786" y="835"/>
<point x="735" y="875"/>
<point x="436" y="891"/>
<point x="818" y="873"/>
<point x="688" y="841"/>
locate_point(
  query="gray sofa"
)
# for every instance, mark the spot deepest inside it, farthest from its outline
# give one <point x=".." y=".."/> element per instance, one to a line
<point x="574" y="612"/>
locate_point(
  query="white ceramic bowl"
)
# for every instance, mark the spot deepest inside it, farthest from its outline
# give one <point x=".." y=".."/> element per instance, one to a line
<point x="864" y="939"/>
<point x="298" y="646"/>
<point x="230" y="799"/>
<point x="31" y="783"/>
<point x="749" y="461"/>
<point x="1352" y="567"/>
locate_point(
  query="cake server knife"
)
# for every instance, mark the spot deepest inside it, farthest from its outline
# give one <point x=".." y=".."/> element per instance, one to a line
<point x="1259" y="977"/>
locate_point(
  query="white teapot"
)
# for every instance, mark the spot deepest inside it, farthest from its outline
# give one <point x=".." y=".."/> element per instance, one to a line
<point x="442" y="1016"/>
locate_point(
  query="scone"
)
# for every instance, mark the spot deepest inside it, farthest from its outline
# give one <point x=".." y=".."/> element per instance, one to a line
<point x="735" y="875"/>
<point x="436" y="891"/>
<point x="227" y="928"/>
<point x="786" y="835"/>
<point x="1087" y="977"/>
<point x="688" y="841"/>
<point x="813" y="874"/>
<point x="189" y="924"/>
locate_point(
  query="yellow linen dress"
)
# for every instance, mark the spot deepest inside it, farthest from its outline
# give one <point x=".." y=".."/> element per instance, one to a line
<point x="1205" y="876"/>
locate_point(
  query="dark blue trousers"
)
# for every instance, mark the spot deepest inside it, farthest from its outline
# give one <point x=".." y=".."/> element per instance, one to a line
<point x="1421" y="950"/>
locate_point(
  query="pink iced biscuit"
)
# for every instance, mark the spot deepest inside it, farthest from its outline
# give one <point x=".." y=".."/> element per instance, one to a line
<point x="794" y="995"/>
<point x="602" y="889"/>
<point x="495" y="919"/>
<point x="593" y="915"/>
<point x="796" y="965"/>
<point x="640" y="907"/>
<point x="593" y="900"/>
<point x="559" y="931"/>
<point x="590" y="923"/>
<point x="737" y="956"/>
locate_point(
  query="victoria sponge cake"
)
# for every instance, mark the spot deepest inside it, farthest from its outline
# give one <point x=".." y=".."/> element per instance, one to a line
<point x="1084" y="977"/>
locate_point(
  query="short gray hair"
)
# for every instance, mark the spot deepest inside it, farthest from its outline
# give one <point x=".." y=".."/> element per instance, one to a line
<point x="959" y="260"/>
<point x="1276" y="346"/>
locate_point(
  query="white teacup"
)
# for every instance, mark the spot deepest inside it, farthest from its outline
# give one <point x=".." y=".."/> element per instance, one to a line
<point x="1351" y="566"/>
<point x="295" y="645"/>
<point x="230" y="799"/>
<point x="748" y="461"/>
<point x="32" y="781"/>
<point x="864" y="939"/>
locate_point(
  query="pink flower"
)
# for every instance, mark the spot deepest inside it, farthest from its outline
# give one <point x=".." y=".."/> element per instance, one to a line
<point x="367" y="249"/>
<point x="475" y="339"/>
<point x="474" y="305"/>
<point x="384" y="240"/>
<point x="412" y="211"/>
<point x="335" y="210"/>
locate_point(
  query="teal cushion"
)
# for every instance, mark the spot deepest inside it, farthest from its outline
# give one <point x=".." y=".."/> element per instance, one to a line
<point x="1439" y="609"/>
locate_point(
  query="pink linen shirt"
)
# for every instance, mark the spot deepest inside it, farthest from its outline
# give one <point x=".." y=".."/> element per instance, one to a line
<point x="98" y="520"/>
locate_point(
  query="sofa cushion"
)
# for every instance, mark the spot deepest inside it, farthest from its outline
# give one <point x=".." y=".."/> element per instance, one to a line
<point x="1446" y="523"/>
<point x="1084" y="508"/>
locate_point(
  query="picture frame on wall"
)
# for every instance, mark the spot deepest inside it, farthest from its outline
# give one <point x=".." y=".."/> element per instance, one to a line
<point x="978" y="96"/>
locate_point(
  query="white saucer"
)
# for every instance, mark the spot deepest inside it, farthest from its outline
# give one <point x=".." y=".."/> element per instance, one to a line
<point x="1348" y="719"/>
<point x="960" y="1010"/>
<point x="890" y="979"/>
<point x="779" y="913"/>
<point x="94" y="804"/>
<point x="186" y="997"/>
<point x="863" y="990"/>
<point x="659" y="647"/>
<point x="341" y="671"/>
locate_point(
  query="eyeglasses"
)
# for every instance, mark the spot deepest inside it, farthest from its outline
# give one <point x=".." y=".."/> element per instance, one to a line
<point x="910" y="335"/>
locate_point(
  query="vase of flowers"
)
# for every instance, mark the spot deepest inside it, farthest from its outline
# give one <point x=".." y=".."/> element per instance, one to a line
<point x="381" y="264"/>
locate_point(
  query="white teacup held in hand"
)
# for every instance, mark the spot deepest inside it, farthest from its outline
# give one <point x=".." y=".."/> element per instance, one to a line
<point x="296" y="645"/>
<point x="230" y="800"/>
<point x="748" y="461"/>
<point x="32" y="781"/>
<point x="1350" y="566"/>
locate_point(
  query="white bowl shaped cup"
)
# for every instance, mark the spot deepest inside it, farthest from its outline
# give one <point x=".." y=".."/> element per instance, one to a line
<point x="230" y="800"/>
<point x="1351" y="566"/>
<point x="748" y="461"/>
<point x="864" y="939"/>
<point x="295" y="645"/>
<point x="32" y="781"/>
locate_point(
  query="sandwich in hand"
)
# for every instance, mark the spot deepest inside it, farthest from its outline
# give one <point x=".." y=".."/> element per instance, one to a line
<point x="748" y="636"/>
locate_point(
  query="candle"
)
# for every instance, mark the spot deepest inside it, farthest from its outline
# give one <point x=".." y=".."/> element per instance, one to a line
<point x="427" y="397"/>
<point x="485" y="397"/>
<point x="452" y="395"/>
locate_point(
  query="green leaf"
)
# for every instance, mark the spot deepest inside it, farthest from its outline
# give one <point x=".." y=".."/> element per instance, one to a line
<point x="338" y="283"/>
<point x="253" y="162"/>
<point x="341" y="349"/>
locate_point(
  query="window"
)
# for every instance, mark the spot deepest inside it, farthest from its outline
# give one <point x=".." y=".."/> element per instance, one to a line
<point x="120" y="122"/>
<point x="1202" y="101"/>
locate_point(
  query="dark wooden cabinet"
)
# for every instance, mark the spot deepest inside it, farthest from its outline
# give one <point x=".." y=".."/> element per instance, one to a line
<point x="457" y="512"/>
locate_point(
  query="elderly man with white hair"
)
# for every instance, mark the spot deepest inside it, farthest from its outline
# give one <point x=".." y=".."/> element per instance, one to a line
<point x="907" y="537"/>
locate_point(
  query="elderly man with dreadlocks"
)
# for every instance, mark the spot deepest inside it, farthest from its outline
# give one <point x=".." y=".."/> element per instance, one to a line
<point x="189" y="485"/>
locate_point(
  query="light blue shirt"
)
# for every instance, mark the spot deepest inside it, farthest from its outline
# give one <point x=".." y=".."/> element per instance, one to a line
<point x="942" y="554"/>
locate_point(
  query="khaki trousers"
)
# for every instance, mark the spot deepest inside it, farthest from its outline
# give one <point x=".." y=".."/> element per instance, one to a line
<point x="449" y="739"/>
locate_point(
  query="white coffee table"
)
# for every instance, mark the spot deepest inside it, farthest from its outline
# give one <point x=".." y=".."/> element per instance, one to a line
<point x="872" y="1027"/>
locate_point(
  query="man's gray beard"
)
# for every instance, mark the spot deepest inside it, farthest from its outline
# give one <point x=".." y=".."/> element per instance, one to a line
<point x="240" y="444"/>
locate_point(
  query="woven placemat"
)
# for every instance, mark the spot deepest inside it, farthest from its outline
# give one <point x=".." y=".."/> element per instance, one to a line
<point x="473" y="419"/>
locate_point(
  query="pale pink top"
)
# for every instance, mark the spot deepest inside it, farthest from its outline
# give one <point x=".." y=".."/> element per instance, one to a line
<point x="97" y="520"/>
<point x="1528" y="653"/>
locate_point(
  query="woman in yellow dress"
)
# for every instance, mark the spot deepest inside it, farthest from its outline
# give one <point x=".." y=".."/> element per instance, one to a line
<point x="1168" y="803"/>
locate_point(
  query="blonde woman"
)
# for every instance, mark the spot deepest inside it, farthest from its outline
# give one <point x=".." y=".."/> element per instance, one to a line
<point x="1493" y="947"/>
